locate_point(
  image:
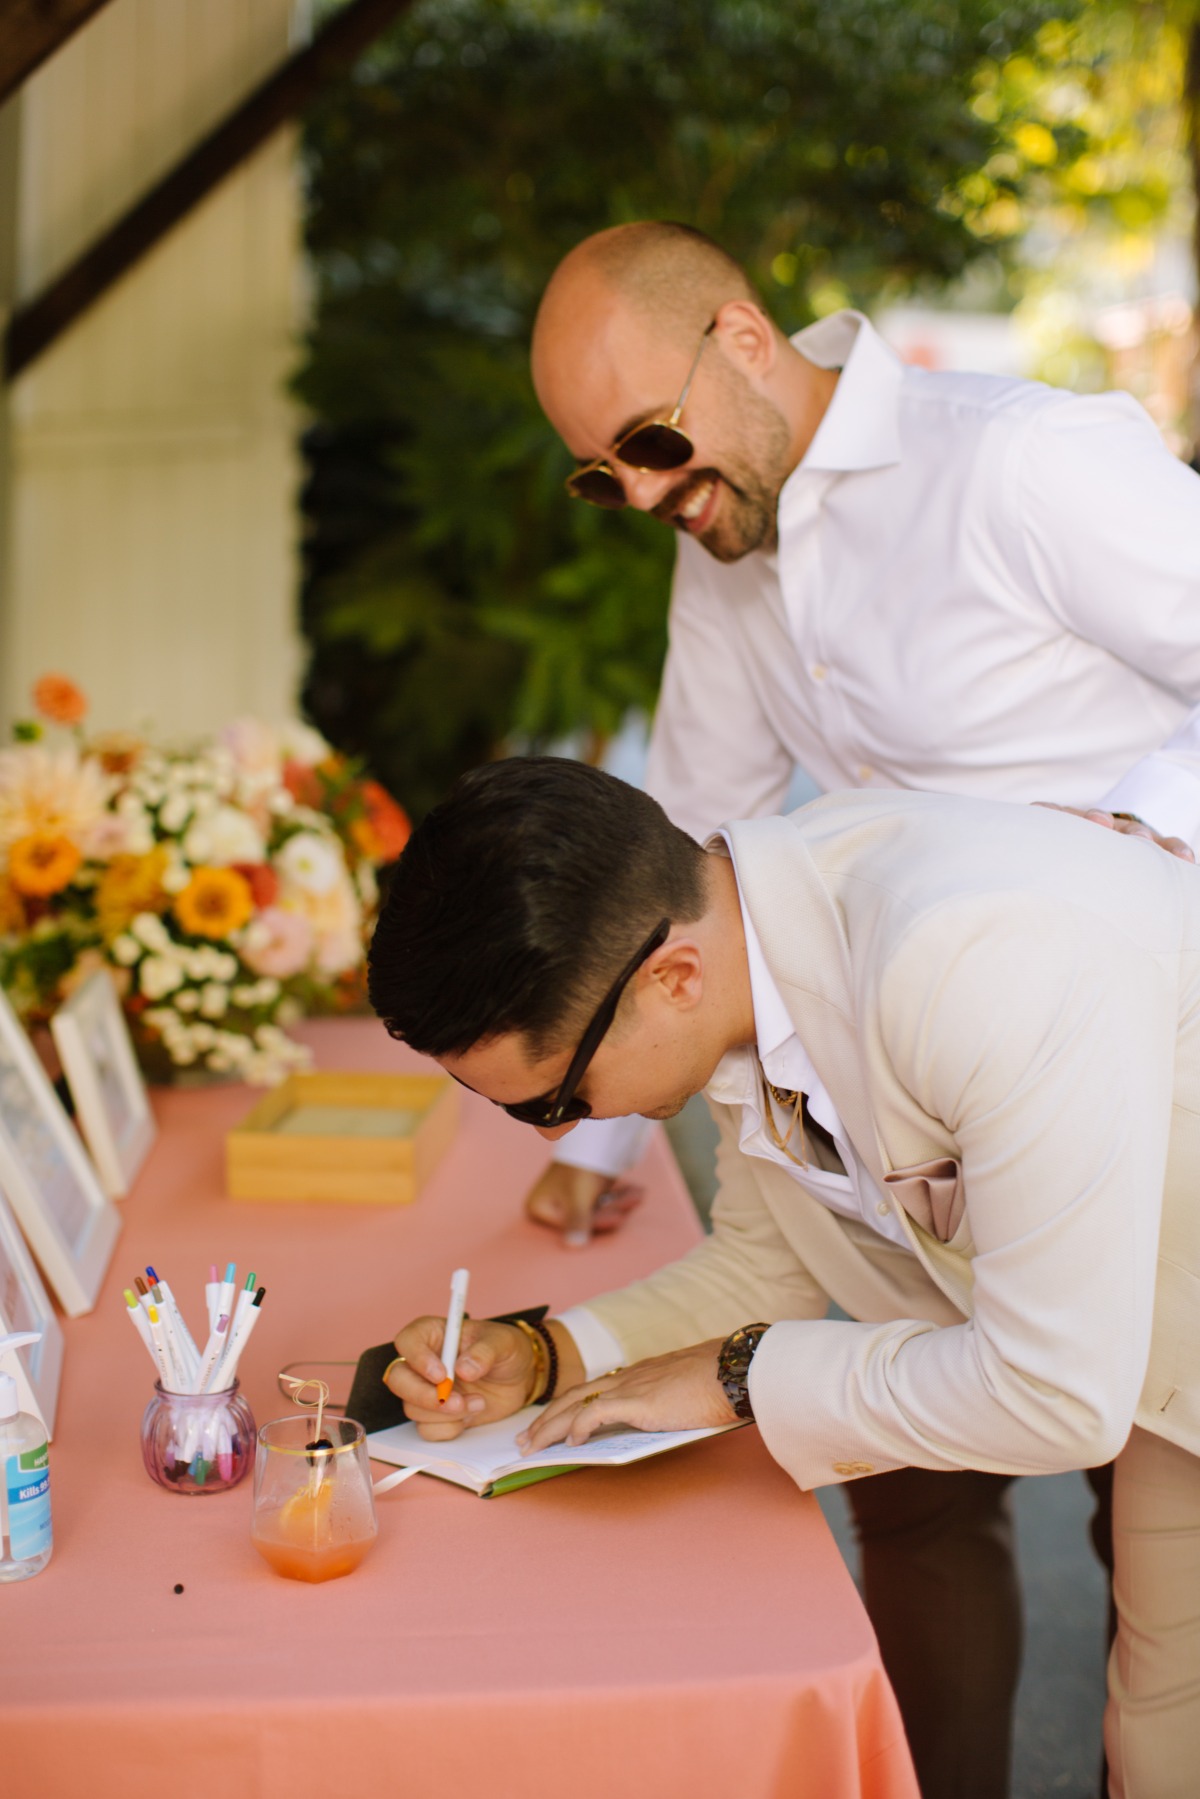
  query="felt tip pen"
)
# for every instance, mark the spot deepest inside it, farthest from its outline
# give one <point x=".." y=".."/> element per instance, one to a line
<point x="212" y="1288"/>
<point x="225" y="1372"/>
<point x="245" y="1297"/>
<point x="228" y="1291"/>
<point x="141" y="1323"/>
<point x="454" y="1320"/>
<point x="213" y="1351"/>
<point x="161" y="1355"/>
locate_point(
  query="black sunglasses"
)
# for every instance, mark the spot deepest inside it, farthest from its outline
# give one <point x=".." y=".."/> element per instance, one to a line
<point x="653" y="447"/>
<point x="548" y="1111"/>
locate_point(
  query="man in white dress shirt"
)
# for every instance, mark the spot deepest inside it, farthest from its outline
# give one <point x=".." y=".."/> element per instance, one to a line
<point x="954" y="1051"/>
<point x="890" y="577"/>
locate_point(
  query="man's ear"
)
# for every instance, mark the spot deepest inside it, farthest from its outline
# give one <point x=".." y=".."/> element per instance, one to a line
<point x="675" y="973"/>
<point x="747" y="337"/>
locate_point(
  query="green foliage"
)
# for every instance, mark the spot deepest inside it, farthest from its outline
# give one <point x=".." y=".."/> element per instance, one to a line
<point x="454" y="595"/>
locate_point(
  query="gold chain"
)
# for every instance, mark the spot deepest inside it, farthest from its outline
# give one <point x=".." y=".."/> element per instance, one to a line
<point x="787" y="1100"/>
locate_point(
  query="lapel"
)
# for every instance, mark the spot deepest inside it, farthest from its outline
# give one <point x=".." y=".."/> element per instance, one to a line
<point x="804" y="941"/>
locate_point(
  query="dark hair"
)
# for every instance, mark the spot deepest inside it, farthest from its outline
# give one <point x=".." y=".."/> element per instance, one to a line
<point x="517" y="901"/>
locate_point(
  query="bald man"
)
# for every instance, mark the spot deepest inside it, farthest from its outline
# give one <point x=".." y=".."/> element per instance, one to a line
<point x="889" y="578"/>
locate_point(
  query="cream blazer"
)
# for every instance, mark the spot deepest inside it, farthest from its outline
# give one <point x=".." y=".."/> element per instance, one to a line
<point x="1004" y="1004"/>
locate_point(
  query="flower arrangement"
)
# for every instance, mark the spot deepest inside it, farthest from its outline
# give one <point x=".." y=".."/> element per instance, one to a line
<point x="228" y="888"/>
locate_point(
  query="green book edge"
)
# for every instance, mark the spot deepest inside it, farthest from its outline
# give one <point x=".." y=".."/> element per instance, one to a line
<point x="508" y="1483"/>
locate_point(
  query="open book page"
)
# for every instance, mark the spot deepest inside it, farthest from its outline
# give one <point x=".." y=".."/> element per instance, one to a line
<point x="488" y="1457"/>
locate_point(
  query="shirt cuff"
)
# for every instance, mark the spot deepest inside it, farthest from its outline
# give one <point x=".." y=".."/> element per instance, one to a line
<point x="598" y="1348"/>
<point x="603" y="1145"/>
<point x="1164" y="793"/>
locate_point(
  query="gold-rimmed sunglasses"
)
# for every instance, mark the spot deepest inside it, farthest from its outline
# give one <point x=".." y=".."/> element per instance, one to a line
<point x="651" y="448"/>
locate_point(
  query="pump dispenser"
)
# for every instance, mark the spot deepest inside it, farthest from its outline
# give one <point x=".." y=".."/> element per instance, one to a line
<point x="25" y="1540"/>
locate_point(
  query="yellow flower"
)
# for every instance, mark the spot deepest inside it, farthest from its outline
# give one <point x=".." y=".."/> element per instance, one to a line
<point x="12" y="912"/>
<point x="215" y="902"/>
<point x="129" y="885"/>
<point x="42" y="863"/>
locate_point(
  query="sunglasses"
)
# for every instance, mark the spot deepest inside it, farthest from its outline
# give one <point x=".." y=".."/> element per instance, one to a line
<point x="657" y="445"/>
<point x="548" y="1111"/>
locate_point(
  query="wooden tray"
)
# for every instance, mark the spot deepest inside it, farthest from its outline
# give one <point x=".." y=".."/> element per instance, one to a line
<point x="356" y="1139"/>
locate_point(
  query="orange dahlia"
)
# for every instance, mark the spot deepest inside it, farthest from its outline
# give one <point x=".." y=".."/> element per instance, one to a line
<point x="385" y="830"/>
<point x="215" y="902"/>
<point x="58" y="699"/>
<point x="129" y="885"/>
<point x="42" y="863"/>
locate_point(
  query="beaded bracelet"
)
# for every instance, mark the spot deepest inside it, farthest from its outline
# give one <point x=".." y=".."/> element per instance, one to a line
<point x="545" y="1347"/>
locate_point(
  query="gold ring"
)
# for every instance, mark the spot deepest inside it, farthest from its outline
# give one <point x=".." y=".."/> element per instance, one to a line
<point x="394" y="1363"/>
<point x="613" y="1371"/>
<point x="588" y="1398"/>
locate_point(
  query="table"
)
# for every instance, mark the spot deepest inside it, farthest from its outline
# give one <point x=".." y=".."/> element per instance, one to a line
<point x="685" y="1628"/>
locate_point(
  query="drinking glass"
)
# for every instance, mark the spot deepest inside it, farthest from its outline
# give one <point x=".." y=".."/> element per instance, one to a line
<point x="197" y="1443"/>
<point x="314" y="1511"/>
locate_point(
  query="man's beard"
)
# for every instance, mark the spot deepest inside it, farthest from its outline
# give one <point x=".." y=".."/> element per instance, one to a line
<point x="755" y="467"/>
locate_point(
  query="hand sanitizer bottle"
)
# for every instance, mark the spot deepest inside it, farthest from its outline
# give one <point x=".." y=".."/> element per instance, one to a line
<point x="25" y="1541"/>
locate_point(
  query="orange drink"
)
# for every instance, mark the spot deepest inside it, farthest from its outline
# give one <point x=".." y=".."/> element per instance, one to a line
<point x="314" y="1512"/>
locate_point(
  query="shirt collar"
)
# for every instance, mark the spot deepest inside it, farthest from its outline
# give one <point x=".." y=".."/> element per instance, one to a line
<point x="773" y="1026"/>
<point x="861" y="427"/>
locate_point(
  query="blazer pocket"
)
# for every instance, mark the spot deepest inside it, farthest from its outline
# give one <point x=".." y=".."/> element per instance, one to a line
<point x="932" y="1195"/>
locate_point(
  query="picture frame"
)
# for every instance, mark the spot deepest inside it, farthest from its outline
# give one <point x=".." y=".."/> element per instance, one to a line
<point x="25" y="1306"/>
<point x="111" y="1104"/>
<point x="67" y="1219"/>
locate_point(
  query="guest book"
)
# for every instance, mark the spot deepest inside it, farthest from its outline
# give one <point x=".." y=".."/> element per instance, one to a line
<point x="488" y="1460"/>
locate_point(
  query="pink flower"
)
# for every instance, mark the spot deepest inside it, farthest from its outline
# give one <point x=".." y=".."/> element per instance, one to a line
<point x="277" y="943"/>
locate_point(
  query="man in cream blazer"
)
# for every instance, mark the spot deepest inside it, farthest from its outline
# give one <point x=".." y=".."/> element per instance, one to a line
<point x="999" y="1012"/>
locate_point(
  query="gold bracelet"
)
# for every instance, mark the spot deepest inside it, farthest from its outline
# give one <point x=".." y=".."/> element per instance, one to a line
<point x="541" y="1361"/>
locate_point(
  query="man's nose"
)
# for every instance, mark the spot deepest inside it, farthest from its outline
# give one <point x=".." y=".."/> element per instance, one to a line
<point x="647" y="488"/>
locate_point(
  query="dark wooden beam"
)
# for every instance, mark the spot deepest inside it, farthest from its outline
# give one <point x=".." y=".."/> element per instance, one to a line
<point x="32" y="30"/>
<point x="33" y="327"/>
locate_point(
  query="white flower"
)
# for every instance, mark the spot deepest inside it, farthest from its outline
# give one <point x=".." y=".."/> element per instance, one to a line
<point x="125" y="950"/>
<point x="225" y="836"/>
<point x="214" y="1000"/>
<point x="54" y="792"/>
<point x="158" y="976"/>
<point x="313" y="864"/>
<point x="188" y="1000"/>
<point x="177" y="874"/>
<point x="149" y="929"/>
<point x="174" y="813"/>
<point x="300" y="743"/>
<point x="203" y="1036"/>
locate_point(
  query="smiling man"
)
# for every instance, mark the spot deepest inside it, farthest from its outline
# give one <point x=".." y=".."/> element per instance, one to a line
<point x="889" y="577"/>
<point x="954" y="1051"/>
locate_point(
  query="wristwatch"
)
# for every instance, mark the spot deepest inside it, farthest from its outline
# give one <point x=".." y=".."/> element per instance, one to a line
<point x="733" y="1367"/>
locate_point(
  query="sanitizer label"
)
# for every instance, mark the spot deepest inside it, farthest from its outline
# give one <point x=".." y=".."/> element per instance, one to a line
<point x="27" y="1482"/>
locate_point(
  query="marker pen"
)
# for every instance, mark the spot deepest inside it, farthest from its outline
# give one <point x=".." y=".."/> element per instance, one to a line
<point x="454" y="1319"/>
<point x="212" y="1353"/>
<point x="225" y="1372"/>
<point x="212" y="1289"/>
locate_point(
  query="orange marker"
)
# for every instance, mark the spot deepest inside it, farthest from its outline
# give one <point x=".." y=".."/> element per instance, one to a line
<point x="454" y="1318"/>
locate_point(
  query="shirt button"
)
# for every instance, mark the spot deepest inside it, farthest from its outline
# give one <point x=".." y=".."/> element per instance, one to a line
<point x="883" y="1208"/>
<point x="818" y="671"/>
<point x="853" y="1468"/>
<point x="864" y="771"/>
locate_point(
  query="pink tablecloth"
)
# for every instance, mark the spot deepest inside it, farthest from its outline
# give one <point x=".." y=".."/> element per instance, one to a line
<point x="685" y="1629"/>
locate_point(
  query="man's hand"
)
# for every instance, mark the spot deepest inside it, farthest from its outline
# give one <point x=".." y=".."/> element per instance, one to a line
<point x="579" y="1203"/>
<point x="493" y="1375"/>
<point x="679" y="1391"/>
<point x="1128" y="827"/>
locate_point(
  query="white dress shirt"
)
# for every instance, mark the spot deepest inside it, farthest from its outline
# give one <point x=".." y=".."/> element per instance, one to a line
<point x="982" y="586"/>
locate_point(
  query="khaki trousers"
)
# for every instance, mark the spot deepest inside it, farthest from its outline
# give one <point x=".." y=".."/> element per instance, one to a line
<point x="1152" y="1722"/>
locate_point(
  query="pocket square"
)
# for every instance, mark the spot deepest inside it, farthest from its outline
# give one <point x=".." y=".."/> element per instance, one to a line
<point x="932" y="1195"/>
